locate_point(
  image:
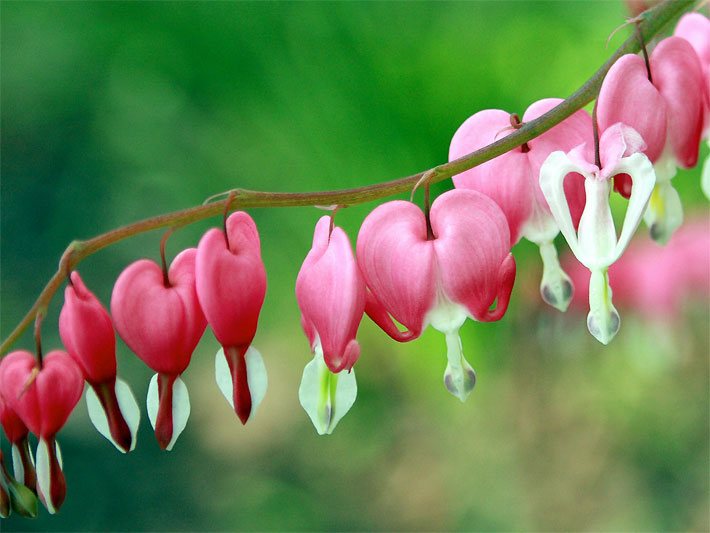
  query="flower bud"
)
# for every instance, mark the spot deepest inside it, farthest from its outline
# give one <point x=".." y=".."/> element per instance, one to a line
<point x="87" y="333"/>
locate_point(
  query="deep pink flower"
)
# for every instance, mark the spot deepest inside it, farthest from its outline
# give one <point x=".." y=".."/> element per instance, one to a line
<point x="331" y="296"/>
<point x="667" y="113"/>
<point x="87" y="333"/>
<point x="43" y="398"/>
<point x="456" y="274"/>
<point x="161" y="321"/>
<point x="231" y="284"/>
<point x="511" y="180"/>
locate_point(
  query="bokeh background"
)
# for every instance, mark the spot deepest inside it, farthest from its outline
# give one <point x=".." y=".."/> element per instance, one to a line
<point x="112" y="112"/>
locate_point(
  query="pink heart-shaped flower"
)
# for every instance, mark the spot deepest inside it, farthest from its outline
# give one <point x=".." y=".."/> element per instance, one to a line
<point x="43" y="397"/>
<point x="161" y="324"/>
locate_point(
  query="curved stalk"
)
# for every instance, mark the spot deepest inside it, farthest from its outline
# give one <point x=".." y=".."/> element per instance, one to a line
<point x="653" y="21"/>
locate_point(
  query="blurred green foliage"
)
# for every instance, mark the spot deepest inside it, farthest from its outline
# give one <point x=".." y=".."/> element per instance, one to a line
<point x="115" y="111"/>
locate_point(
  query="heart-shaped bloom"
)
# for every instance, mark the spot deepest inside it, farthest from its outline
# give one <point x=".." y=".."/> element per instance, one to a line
<point x="43" y="397"/>
<point x="667" y="113"/>
<point x="16" y="432"/>
<point x="331" y="296"/>
<point x="695" y="28"/>
<point x="161" y="321"/>
<point x="512" y="179"/>
<point x="596" y="244"/>
<point x="438" y="277"/>
<point x="231" y="285"/>
<point x="87" y="333"/>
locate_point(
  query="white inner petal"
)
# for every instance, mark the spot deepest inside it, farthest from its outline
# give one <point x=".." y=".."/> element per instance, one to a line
<point x="223" y="376"/>
<point x="326" y="397"/>
<point x="18" y="468"/>
<point x="597" y="233"/>
<point x="256" y="378"/>
<point x="44" y="475"/>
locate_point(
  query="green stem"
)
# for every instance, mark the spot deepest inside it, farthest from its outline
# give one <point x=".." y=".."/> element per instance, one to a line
<point x="653" y="21"/>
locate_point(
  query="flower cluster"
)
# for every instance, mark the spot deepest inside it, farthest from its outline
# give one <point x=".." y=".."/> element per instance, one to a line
<point x="412" y="268"/>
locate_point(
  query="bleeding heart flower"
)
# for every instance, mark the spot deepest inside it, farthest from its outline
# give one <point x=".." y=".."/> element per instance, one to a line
<point x="695" y="28"/>
<point x="331" y="296"/>
<point x="160" y="319"/>
<point x="43" y="397"/>
<point x="231" y="285"/>
<point x="438" y="274"/>
<point x="666" y="112"/>
<point x="512" y="179"/>
<point x="595" y="244"/>
<point x="87" y="333"/>
<point x="16" y="431"/>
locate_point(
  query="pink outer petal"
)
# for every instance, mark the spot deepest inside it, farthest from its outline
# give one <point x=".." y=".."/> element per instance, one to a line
<point x="331" y="295"/>
<point x="87" y="332"/>
<point x="397" y="262"/>
<point x="14" y="429"/>
<point x="678" y="76"/>
<point x="627" y="96"/>
<point x="45" y="404"/>
<point x="507" y="178"/>
<point x="574" y="131"/>
<point x="472" y="242"/>
<point x="695" y="28"/>
<point x="231" y="283"/>
<point x="379" y="315"/>
<point x="162" y="325"/>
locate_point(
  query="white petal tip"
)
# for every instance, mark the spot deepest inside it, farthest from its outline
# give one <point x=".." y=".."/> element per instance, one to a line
<point x="257" y="378"/>
<point x="460" y="382"/>
<point x="556" y="287"/>
<point x="326" y="397"/>
<point x="127" y="412"/>
<point x="557" y="293"/>
<point x="604" y="328"/>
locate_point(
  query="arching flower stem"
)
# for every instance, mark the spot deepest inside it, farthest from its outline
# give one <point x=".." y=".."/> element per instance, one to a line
<point x="654" y="20"/>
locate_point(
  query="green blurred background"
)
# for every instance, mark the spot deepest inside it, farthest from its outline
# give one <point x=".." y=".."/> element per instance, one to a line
<point x="112" y="112"/>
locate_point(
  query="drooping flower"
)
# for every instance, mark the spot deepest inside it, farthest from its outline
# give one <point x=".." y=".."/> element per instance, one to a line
<point x="667" y="112"/>
<point x="512" y="179"/>
<point x="87" y="333"/>
<point x="16" y="432"/>
<point x="43" y="397"/>
<point x="437" y="271"/>
<point x="695" y="28"/>
<point x="596" y="244"/>
<point x="331" y="296"/>
<point x="160" y="319"/>
<point x="231" y="285"/>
